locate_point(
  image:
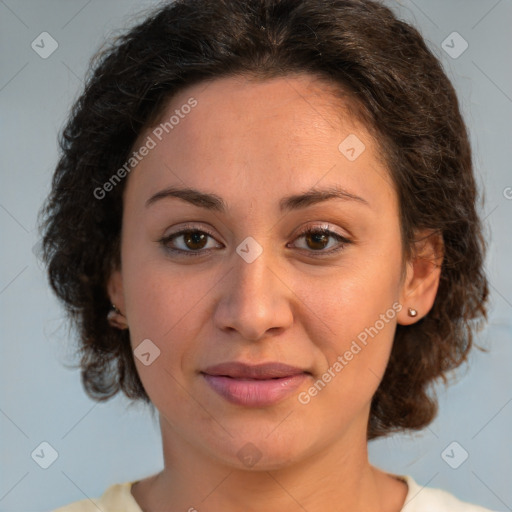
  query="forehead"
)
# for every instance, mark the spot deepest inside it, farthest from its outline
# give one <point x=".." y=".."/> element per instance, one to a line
<point x="297" y="109"/>
<point x="261" y="138"/>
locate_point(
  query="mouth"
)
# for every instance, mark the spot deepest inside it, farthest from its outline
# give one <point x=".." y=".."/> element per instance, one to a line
<point x="254" y="385"/>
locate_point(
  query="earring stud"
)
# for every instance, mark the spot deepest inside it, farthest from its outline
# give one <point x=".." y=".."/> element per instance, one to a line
<point x="412" y="312"/>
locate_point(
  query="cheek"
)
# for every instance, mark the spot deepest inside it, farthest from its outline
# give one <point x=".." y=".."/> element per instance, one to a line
<point x="159" y="308"/>
<point x="158" y="292"/>
<point x="350" y="300"/>
<point x="169" y="306"/>
<point x="353" y="314"/>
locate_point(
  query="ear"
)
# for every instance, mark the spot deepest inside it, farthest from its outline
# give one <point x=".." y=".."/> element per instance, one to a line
<point x="116" y="291"/>
<point x="423" y="271"/>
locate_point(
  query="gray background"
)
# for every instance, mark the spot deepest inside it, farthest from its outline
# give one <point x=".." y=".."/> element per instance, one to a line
<point x="100" y="444"/>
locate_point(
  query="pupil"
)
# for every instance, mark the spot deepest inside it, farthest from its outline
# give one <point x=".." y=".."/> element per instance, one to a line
<point x="195" y="238"/>
<point x="318" y="238"/>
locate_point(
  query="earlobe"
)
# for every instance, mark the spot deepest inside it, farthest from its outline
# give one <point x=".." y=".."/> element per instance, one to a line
<point x="421" y="283"/>
<point x="116" y="316"/>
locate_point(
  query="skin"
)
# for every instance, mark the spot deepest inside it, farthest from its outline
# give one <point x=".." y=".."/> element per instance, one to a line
<point x="252" y="143"/>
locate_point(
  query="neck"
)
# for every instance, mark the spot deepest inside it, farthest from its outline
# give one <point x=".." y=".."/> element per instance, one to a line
<point x="338" y="474"/>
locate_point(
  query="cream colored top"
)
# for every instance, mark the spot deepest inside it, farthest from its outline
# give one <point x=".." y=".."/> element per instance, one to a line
<point x="118" y="498"/>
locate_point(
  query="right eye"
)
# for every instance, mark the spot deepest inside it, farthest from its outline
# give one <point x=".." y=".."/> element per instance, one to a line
<point x="188" y="242"/>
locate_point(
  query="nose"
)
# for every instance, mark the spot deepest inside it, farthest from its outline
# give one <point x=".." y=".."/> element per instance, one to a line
<point x="255" y="300"/>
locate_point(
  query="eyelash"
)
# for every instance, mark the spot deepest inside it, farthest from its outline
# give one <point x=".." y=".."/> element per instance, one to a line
<point x="343" y="241"/>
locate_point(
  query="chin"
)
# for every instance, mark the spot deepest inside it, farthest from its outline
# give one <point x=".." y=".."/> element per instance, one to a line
<point x="259" y="452"/>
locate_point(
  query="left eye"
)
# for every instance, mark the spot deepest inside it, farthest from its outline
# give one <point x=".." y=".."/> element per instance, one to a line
<point x="317" y="240"/>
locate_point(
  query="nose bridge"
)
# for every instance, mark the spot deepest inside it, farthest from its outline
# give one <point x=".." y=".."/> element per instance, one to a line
<point x="253" y="275"/>
<point x="254" y="300"/>
<point x="253" y="286"/>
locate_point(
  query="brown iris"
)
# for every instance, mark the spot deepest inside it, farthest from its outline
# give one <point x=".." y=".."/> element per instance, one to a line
<point x="317" y="237"/>
<point x="195" y="239"/>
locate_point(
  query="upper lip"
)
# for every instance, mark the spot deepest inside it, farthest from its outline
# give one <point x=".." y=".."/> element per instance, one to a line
<point x="238" y="370"/>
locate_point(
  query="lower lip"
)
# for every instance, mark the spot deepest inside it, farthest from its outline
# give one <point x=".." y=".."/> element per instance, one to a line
<point x="254" y="393"/>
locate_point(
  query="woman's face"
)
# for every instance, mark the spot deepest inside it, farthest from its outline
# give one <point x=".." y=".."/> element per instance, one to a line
<point x="249" y="286"/>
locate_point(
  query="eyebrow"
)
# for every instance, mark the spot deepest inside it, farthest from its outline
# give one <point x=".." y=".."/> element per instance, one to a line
<point x="288" y="203"/>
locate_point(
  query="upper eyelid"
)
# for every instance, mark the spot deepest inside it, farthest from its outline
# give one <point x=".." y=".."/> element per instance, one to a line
<point x="302" y="232"/>
<point x="319" y="227"/>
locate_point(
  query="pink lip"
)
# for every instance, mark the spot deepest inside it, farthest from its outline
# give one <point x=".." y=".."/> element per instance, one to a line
<point x="254" y="386"/>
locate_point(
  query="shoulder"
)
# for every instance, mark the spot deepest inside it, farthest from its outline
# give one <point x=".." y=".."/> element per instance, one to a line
<point x="116" y="497"/>
<point x="424" y="499"/>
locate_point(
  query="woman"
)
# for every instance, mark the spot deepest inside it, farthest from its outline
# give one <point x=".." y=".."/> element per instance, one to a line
<point x="263" y="223"/>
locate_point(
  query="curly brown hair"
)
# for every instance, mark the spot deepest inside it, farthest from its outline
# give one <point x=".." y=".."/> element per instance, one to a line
<point x="397" y="88"/>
